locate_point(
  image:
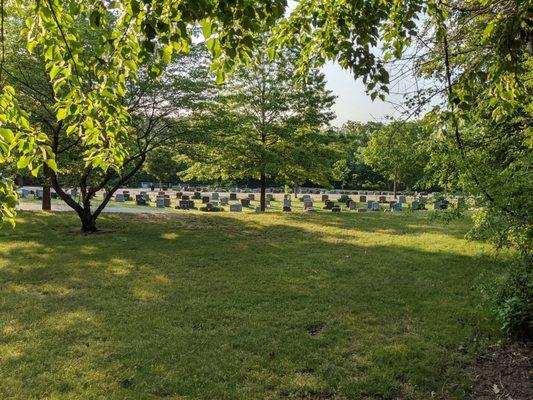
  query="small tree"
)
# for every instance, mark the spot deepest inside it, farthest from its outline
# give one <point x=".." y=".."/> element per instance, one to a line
<point x="395" y="151"/>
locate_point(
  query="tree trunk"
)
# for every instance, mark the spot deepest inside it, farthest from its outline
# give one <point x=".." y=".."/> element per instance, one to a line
<point x="46" y="204"/>
<point x="394" y="185"/>
<point x="263" y="192"/>
<point x="88" y="223"/>
<point x="47" y="198"/>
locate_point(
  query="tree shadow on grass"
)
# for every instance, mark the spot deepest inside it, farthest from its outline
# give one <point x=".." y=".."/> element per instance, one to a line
<point x="224" y="306"/>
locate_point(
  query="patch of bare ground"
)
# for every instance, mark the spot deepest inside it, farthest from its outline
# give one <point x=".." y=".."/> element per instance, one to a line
<point x="505" y="373"/>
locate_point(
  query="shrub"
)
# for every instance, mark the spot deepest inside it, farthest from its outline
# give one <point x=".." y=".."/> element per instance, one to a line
<point x="514" y="299"/>
<point x="344" y="198"/>
<point x="213" y="209"/>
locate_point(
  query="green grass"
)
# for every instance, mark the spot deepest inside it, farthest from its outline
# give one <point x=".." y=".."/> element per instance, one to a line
<point x="240" y="306"/>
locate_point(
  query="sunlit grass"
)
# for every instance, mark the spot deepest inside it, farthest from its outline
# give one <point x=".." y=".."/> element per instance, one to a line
<point x="240" y="306"/>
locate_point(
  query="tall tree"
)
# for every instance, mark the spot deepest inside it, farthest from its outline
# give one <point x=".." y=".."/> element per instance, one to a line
<point x="265" y="127"/>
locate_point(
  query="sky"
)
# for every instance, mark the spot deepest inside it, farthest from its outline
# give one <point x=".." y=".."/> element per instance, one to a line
<point x="352" y="103"/>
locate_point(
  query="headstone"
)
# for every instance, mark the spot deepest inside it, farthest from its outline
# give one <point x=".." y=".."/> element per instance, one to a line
<point x="24" y="193"/>
<point x="375" y="206"/>
<point x="251" y="197"/>
<point x="258" y="209"/>
<point x="308" y="204"/>
<point x="336" y="209"/>
<point x="213" y="203"/>
<point x="310" y="209"/>
<point x="348" y="202"/>
<point x="396" y="207"/>
<point x="352" y="205"/>
<point x="224" y="201"/>
<point x="401" y="199"/>
<point x="184" y="204"/>
<point x="287" y="203"/>
<point x="179" y="195"/>
<point x="185" y="197"/>
<point x="382" y="199"/>
<point x="146" y="197"/>
<point x="160" y="202"/>
<point x="245" y="202"/>
<point x="270" y="197"/>
<point x="329" y="204"/>
<point x="205" y="199"/>
<point x="235" y="208"/>
<point x="369" y="205"/>
<point x="191" y="203"/>
<point x="233" y="196"/>
<point x="306" y="197"/>
<point x="287" y="208"/>
<point x="415" y="205"/>
<point x="39" y="194"/>
<point x="325" y="197"/>
<point x="215" y="196"/>
<point x="139" y="199"/>
<point x="197" y="195"/>
<point x="119" y="197"/>
<point x="73" y="192"/>
<point x="166" y="200"/>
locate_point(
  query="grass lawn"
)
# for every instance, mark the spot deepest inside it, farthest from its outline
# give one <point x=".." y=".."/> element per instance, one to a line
<point x="240" y="306"/>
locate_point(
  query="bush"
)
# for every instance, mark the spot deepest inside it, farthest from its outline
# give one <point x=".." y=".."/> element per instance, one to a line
<point x="213" y="209"/>
<point x="344" y="198"/>
<point x="514" y="300"/>
<point x="510" y="296"/>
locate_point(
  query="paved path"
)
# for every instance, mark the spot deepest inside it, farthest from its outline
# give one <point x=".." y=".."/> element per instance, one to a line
<point x="64" y="207"/>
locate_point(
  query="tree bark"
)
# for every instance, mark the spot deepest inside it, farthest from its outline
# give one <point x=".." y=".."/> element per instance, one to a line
<point x="263" y="191"/>
<point x="394" y="185"/>
<point x="46" y="204"/>
<point x="47" y="198"/>
<point x="88" y="223"/>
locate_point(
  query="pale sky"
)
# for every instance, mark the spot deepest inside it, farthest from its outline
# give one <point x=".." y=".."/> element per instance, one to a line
<point x="352" y="103"/>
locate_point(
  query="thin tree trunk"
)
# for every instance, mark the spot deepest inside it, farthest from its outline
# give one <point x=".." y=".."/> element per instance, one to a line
<point x="46" y="204"/>
<point x="47" y="198"/>
<point x="394" y="185"/>
<point x="263" y="191"/>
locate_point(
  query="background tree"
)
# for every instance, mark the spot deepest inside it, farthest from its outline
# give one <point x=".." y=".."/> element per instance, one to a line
<point x="397" y="150"/>
<point x="161" y="164"/>
<point x="265" y="127"/>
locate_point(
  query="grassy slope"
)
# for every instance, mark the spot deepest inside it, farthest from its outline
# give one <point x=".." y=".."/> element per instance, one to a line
<point x="239" y="306"/>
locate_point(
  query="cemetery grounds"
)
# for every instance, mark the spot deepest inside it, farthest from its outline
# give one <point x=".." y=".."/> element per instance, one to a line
<point x="193" y="305"/>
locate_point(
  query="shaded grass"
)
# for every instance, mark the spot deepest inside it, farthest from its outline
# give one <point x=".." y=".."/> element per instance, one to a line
<point x="240" y="306"/>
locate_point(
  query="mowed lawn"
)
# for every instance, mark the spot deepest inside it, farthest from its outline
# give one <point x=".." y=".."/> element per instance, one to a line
<point x="240" y="306"/>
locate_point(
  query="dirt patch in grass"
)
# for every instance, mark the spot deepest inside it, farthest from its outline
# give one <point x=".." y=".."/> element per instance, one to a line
<point x="505" y="374"/>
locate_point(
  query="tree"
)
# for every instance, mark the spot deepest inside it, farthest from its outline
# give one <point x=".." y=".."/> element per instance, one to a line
<point x="350" y="140"/>
<point x="397" y="151"/>
<point x="265" y="127"/>
<point x="147" y="33"/>
<point x="161" y="165"/>
<point x="158" y="111"/>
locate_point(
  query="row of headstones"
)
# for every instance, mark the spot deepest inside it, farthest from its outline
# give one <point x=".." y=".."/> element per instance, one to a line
<point x="38" y="193"/>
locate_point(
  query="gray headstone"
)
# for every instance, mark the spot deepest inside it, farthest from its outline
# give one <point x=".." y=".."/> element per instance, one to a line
<point x="233" y="196"/>
<point x="235" y="208"/>
<point x="160" y="202"/>
<point x="119" y="197"/>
